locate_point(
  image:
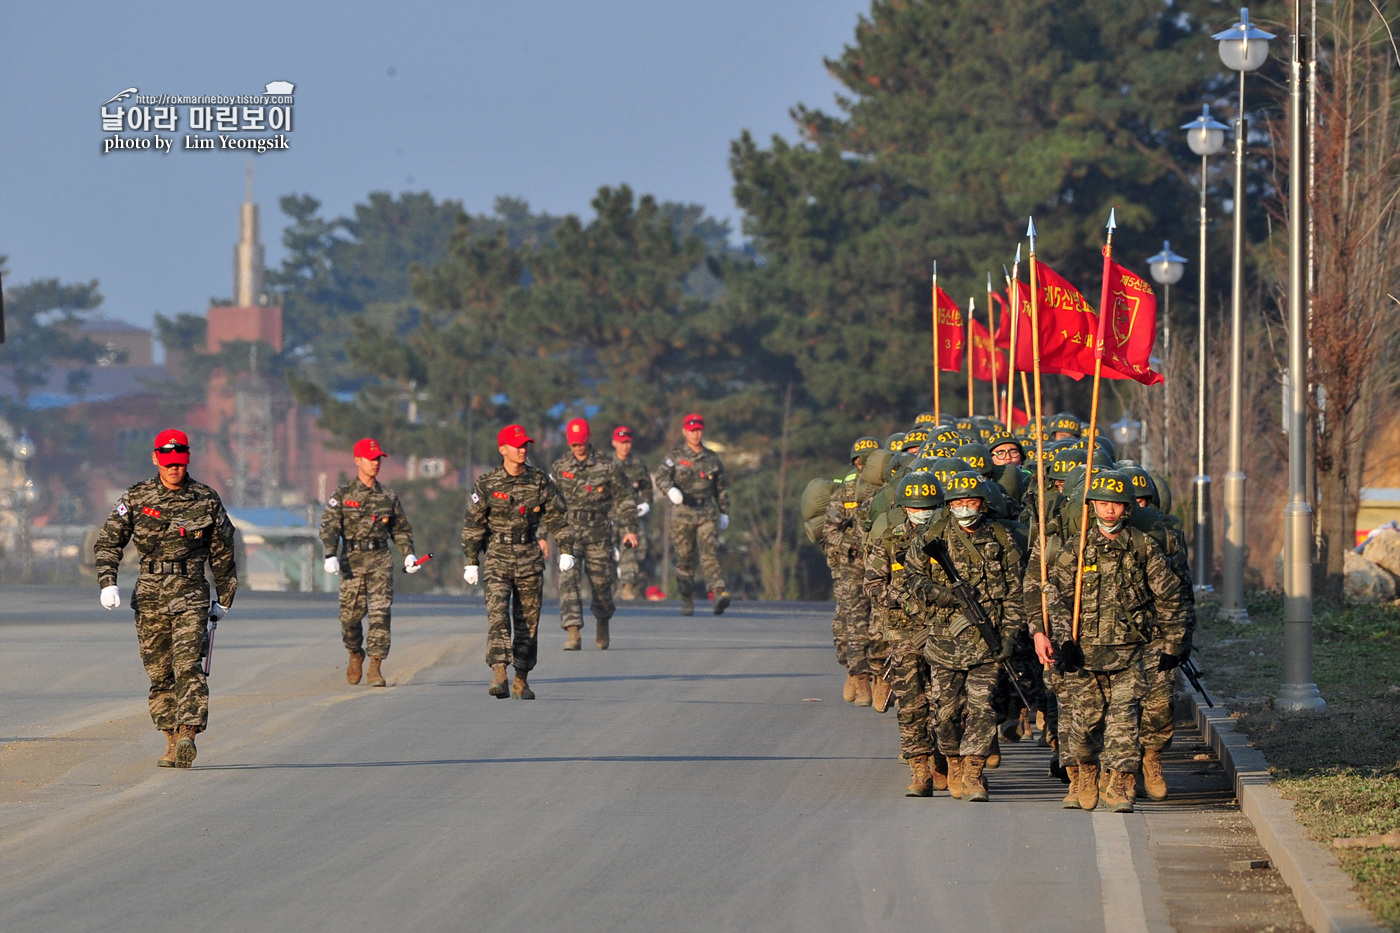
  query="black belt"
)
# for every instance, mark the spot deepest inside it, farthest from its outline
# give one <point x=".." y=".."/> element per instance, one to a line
<point x="688" y="499"/>
<point x="366" y="545"/>
<point x="514" y="537"/>
<point x="179" y="568"/>
<point x="588" y="515"/>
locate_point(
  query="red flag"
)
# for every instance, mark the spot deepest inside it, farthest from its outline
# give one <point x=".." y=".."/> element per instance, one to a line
<point x="985" y="356"/>
<point x="1002" y="338"/>
<point x="1132" y="326"/>
<point x="948" y="333"/>
<point x="1019" y="418"/>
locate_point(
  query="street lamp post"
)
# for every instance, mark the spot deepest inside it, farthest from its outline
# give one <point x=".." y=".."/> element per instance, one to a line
<point x="25" y="495"/>
<point x="1206" y="136"/>
<point x="1167" y="268"/>
<point x="1243" y="48"/>
<point x="1298" y="692"/>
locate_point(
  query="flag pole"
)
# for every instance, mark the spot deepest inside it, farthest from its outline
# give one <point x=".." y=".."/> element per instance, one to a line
<point x="1093" y="431"/>
<point x="1039" y="433"/>
<point x="937" y="415"/>
<point x="992" y="333"/>
<point x="1013" y="294"/>
<point x="968" y="351"/>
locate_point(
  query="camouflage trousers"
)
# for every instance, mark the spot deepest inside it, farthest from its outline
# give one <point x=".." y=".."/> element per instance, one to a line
<point x="1158" y="722"/>
<point x="633" y="565"/>
<point x="695" y="530"/>
<point x="172" y="619"/>
<point x="1098" y="721"/>
<point x="964" y="719"/>
<point x="850" y="626"/>
<point x="909" y="682"/>
<point x="595" y="559"/>
<point x="366" y="593"/>
<point x="514" y="582"/>
<point x="1029" y="677"/>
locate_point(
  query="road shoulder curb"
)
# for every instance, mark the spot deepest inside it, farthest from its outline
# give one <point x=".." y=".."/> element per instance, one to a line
<point x="1323" y="891"/>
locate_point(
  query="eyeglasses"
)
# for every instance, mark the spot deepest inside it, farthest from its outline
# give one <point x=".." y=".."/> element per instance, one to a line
<point x="174" y="449"/>
<point x="1005" y="454"/>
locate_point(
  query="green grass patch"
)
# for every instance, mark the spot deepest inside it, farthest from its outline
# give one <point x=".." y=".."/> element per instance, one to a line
<point x="1339" y="766"/>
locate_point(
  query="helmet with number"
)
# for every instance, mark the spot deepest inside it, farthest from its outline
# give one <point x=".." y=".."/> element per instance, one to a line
<point x="895" y="442"/>
<point x="1143" y="487"/>
<point x="976" y="456"/>
<point x="986" y="427"/>
<point x="1164" y="491"/>
<point x="915" y="437"/>
<point x="925" y="418"/>
<point x="919" y="490"/>
<point x="966" y="427"/>
<point x="950" y="436"/>
<point x="1065" y="423"/>
<point x="1111" y="486"/>
<point x="935" y="449"/>
<point x="945" y="467"/>
<point x="900" y="461"/>
<point x="864" y="447"/>
<point x="922" y="464"/>
<point x="967" y="484"/>
<point x="1001" y="438"/>
<point x="1064" y="462"/>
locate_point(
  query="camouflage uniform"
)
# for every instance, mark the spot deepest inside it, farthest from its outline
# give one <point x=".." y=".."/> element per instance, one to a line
<point x="596" y="492"/>
<point x="904" y="634"/>
<point x="176" y="531"/>
<point x="1158" y="722"/>
<point x="694" y="523"/>
<point x="633" y="566"/>
<point x="1128" y="589"/>
<point x="365" y="518"/>
<point x="503" y="519"/>
<point x="963" y="672"/>
<point x="842" y="540"/>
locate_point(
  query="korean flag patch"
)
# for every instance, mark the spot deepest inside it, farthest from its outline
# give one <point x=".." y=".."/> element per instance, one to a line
<point x="121" y="508"/>
<point x="475" y="497"/>
<point x="331" y="502"/>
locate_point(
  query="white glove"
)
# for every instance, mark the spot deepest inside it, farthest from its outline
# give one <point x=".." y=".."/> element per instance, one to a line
<point x="217" y="611"/>
<point x="566" y="562"/>
<point x="471" y="574"/>
<point x="332" y="564"/>
<point x="111" y="597"/>
<point x="723" y="522"/>
<point x="642" y="509"/>
<point x="675" y="495"/>
<point x="410" y="564"/>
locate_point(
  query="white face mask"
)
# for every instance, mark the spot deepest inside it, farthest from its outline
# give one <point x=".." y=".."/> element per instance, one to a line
<point x="919" y="516"/>
<point x="1111" y="529"/>
<point x="966" y="514"/>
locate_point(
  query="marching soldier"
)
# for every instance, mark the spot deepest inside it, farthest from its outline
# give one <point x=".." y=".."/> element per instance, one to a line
<point x="842" y="540"/>
<point x="594" y="490"/>
<point x="1128" y="591"/>
<point x="507" y="509"/>
<point x="693" y="479"/>
<point x="178" y="525"/>
<point x="633" y="567"/>
<point x="361" y="518"/>
<point x="964" y="670"/>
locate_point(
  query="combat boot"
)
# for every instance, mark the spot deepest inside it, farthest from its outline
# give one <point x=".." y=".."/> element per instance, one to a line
<point x="572" y="642"/>
<point x="374" y="677"/>
<point x="1088" y="786"/>
<point x="627" y="592"/>
<point x="184" y="746"/>
<point x="1152" y="780"/>
<point x="355" y="669"/>
<point x="955" y="775"/>
<point x="973" y="787"/>
<point x="168" y="759"/>
<point x="1071" y="801"/>
<point x="498" y="687"/>
<point x="601" y="637"/>
<point x="938" y="768"/>
<point x="994" y="756"/>
<point x="920" y="778"/>
<point x="687" y="606"/>
<point x="880" y="694"/>
<point x="520" y="689"/>
<point x="848" y="692"/>
<point x="1118" y="791"/>
<point x="1024" y="725"/>
<point x="721" y="602"/>
<point x="863" y="697"/>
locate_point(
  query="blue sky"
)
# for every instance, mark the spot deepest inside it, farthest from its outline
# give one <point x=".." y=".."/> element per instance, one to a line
<point x="544" y="101"/>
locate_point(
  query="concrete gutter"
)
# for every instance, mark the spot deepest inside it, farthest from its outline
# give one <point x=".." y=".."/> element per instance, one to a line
<point x="1322" y="889"/>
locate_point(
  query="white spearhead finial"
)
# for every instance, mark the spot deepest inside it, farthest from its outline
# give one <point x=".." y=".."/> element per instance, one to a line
<point x="1030" y="228"/>
<point x="935" y="268"/>
<point x="1112" y="218"/>
<point x="1018" y="254"/>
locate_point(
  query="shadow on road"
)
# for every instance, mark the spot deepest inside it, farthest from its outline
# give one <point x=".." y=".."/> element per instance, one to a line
<point x="545" y="759"/>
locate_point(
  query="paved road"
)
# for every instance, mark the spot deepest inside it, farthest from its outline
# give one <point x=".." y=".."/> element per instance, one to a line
<point x="701" y="775"/>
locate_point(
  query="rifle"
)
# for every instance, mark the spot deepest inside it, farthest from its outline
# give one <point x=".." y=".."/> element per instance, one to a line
<point x="966" y="596"/>
<point x="1193" y="674"/>
<point x="209" y="643"/>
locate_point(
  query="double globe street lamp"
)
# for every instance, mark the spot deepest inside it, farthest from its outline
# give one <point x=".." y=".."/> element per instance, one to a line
<point x="1167" y="268"/>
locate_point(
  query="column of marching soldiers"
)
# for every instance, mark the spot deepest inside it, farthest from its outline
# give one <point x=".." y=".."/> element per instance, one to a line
<point x="982" y="624"/>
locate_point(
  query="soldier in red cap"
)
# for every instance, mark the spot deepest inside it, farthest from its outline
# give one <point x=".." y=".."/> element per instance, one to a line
<point x="633" y="564"/>
<point x="507" y="508"/>
<point x="693" y="479"/>
<point x="178" y="525"/>
<point x="360" y="519"/>
<point x="593" y="488"/>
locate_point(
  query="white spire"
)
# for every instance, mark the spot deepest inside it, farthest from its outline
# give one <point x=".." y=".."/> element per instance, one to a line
<point x="248" y="254"/>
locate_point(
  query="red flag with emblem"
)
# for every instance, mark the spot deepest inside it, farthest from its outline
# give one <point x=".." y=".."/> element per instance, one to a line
<point x="1002" y="338"/>
<point x="1132" y="326"/>
<point x="948" y="333"/>
<point x="988" y="363"/>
